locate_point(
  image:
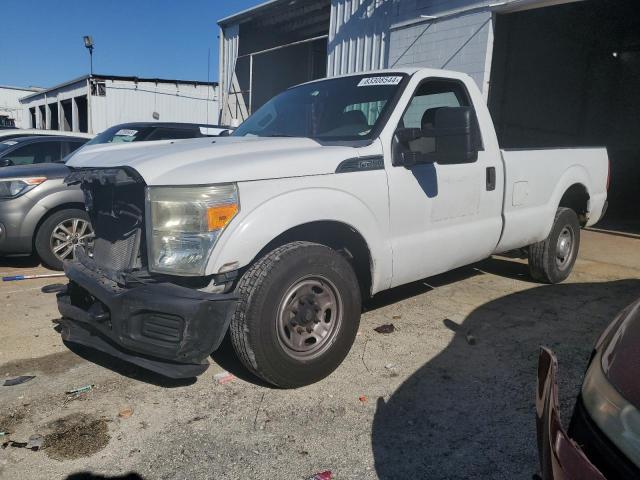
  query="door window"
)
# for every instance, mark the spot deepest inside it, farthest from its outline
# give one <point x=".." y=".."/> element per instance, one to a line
<point x="70" y="147"/>
<point x="40" y="152"/>
<point x="428" y="98"/>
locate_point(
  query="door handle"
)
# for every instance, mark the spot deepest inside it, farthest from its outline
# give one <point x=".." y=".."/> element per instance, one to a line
<point x="491" y="179"/>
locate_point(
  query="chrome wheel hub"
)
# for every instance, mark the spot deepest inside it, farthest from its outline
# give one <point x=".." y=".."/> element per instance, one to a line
<point x="309" y="316"/>
<point x="564" y="248"/>
<point x="69" y="233"/>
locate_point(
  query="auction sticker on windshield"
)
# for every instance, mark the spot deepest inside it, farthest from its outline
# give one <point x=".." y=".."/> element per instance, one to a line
<point x="125" y="132"/>
<point x="373" y="81"/>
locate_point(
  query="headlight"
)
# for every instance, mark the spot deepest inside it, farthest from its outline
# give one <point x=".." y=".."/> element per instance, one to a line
<point x="14" y="187"/>
<point x="618" y="419"/>
<point x="184" y="223"/>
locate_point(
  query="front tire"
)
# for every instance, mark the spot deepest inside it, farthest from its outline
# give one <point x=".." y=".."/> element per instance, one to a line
<point x="60" y="233"/>
<point x="298" y="314"/>
<point x="552" y="260"/>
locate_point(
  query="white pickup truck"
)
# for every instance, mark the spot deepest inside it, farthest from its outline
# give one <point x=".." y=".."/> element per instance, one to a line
<point x="331" y="192"/>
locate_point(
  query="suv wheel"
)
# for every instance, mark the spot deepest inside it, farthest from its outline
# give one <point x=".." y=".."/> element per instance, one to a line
<point x="59" y="234"/>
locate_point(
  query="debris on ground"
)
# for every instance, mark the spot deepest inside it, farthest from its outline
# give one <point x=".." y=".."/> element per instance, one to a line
<point x="224" y="377"/>
<point x="34" y="443"/>
<point x="362" y="398"/>
<point x="326" y="475"/>
<point x="18" y="380"/>
<point x="397" y="317"/>
<point x="471" y="340"/>
<point x="386" y="328"/>
<point x="125" y="412"/>
<point x="78" y="391"/>
<point x="393" y="369"/>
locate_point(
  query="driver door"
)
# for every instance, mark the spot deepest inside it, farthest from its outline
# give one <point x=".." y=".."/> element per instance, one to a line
<point x="443" y="215"/>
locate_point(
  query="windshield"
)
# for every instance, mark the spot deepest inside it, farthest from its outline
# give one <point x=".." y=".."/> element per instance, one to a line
<point x="119" y="134"/>
<point x="6" y="145"/>
<point x="347" y="108"/>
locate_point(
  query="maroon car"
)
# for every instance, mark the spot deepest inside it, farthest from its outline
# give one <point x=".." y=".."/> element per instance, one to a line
<point x="603" y="440"/>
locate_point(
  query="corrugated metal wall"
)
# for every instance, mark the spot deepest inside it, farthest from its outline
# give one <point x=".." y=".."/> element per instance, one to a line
<point x="372" y="34"/>
<point x="359" y="35"/>
<point x="127" y="101"/>
<point x="459" y="42"/>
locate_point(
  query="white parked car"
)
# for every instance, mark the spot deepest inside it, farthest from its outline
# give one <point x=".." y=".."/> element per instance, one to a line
<point x="331" y="192"/>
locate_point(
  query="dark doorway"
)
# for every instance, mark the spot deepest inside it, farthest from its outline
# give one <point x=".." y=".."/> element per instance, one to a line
<point x="53" y="112"/>
<point x="567" y="76"/>
<point x="32" y="115"/>
<point x="83" y="122"/>
<point x="67" y="115"/>
<point x="43" y="117"/>
<point x="289" y="46"/>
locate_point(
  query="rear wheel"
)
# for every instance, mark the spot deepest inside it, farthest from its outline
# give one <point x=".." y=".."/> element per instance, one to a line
<point x="298" y="314"/>
<point x="60" y="233"/>
<point x="552" y="260"/>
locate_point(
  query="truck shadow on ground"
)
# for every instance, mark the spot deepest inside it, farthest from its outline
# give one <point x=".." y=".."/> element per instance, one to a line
<point x="226" y="359"/>
<point x="469" y="412"/>
<point x="127" y="369"/>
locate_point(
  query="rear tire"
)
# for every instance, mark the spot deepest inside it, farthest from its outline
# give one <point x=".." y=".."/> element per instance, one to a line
<point x="552" y="260"/>
<point x="298" y="314"/>
<point x="50" y="243"/>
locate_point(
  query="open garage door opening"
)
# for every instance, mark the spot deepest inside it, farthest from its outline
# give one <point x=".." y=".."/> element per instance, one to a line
<point x="568" y="75"/>
<point x="286" y="44"/>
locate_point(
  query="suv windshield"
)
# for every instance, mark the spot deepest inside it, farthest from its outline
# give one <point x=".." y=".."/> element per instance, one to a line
<point x="347" y="108"/>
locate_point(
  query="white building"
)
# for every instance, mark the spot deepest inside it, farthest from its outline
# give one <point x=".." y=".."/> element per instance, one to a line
<point x="11" y="111"/>
<point x="93" y="103"/>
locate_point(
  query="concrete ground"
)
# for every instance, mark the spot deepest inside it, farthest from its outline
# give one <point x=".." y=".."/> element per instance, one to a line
<point x="449" y="394"/>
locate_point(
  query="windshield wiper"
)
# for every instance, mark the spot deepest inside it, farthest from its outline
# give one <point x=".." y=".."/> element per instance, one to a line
<point x="280" y="135"/>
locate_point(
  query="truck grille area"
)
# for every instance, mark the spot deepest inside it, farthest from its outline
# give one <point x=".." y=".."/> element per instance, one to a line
<point x="115" y="201"/>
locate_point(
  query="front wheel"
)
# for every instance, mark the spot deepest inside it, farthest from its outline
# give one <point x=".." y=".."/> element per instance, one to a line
<point x="552" y="260"/>
<point x="298" y="314"/>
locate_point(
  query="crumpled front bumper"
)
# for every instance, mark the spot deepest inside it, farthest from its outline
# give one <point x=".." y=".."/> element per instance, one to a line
<point x="162" y="327"/>
<point x="560" y="457"/>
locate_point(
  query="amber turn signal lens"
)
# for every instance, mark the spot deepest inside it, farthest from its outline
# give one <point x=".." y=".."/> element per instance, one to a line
<point x="218" y="217"/>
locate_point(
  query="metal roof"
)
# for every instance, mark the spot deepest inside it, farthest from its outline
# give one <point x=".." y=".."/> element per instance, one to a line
<point x="26" y="89"/>
<point x="96" y="76"/>
<point x="247" y="14"/>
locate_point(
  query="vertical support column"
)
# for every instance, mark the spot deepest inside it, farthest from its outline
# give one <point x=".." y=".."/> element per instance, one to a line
<point x="89" y="113"/>
<point x="38" y="117"/>
<point x="75" y="126"/>
<point x="250" y="84"/>
<point x="60" y="116"/>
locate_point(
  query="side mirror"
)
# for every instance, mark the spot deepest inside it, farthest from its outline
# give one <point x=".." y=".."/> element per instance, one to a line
<point x="454" y="129"/>
<point x="5" y="162"/>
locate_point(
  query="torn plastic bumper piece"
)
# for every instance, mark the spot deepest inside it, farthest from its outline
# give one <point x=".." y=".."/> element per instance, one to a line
<point x="162" y="327"/>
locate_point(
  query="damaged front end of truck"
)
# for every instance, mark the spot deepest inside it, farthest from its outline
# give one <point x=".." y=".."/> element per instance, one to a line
<point x="113" y="302"/>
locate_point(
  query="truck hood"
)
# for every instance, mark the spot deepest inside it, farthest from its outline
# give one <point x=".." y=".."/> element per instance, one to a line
<point x="220" y="160"/>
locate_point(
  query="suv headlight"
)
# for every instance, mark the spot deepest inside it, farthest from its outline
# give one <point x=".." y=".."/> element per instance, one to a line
<point x="14" y="187"/>
<point x="184" y="223"/>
